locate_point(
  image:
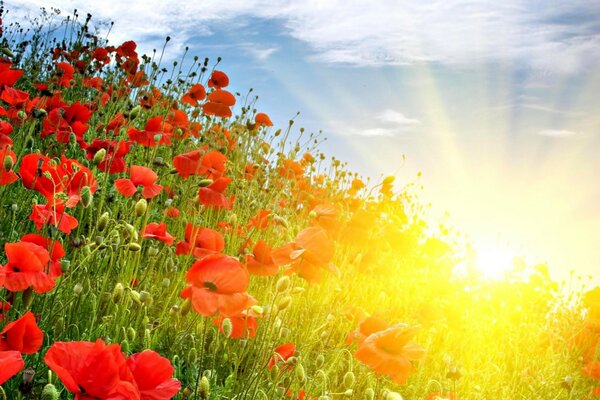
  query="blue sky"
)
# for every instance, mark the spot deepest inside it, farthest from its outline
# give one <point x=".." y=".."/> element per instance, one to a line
<point x="495" y="102"/>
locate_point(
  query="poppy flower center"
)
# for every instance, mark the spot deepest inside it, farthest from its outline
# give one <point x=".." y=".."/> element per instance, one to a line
<point x="210" y="286"/>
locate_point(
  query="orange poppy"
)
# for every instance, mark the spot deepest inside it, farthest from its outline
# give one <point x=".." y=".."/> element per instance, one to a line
<point x="282" y="354"/>
<point x="217" y="284"/>
<point x="139" y="176"/>
<point x="218" y="79"/>
<point x="196" y="93"/>
<point x="260" y="261"/>
<point x="262" y="119"/>
<point x="200" y="242"/>
<point x="157" y="231"/>
<point x="391" y="351"/>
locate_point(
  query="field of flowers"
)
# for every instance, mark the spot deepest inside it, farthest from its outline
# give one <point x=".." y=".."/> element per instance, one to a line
<point x="161" y="239"/>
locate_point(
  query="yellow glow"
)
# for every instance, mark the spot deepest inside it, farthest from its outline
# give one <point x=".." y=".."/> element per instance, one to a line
<point x="494" y="260"/>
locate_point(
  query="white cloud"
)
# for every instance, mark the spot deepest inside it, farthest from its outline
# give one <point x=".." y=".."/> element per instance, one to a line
<point x="396" y="118"/>
<point x="556" y="133"/>
<point x="387" y="123"/>
<point x="550" y="36"/>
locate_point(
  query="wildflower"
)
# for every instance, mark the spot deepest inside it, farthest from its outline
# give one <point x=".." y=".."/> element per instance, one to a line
<point x="262" y="119"/>
<point x="53" y="214"/>
<point x="218" y="103"/>
<point x="308" y="254"/>
<point x="7" y="175"/>
<point x="260" y="262"/>
<point x="65" y="72"/>
<point x="391" y="351"/>
<point x="153" y="375"/>
<point x="282" y="354"/>
<point x="158" y="231"/>
<point x="22" y="335"/>
<point x="196" y="93"/>
<point x="139" y="176"/>
<point x="210" y="165"/>
<point x="212" y="195"/>
<point x="217" y="284"/>
<point x="156" y="129"/>
<point x="30" y="264"/>
<point x="114" y="160"/>
<point x="242" y="326"/>
<point x="11" y="362"/>
<point x="200" y="242"/>
<point x="218" y="79"/>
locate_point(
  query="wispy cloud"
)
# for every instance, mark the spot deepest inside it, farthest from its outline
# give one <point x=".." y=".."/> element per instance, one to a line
<point x="549" y="36"/>
<point x="387" y="123"/>
<point x="556" y="133"/>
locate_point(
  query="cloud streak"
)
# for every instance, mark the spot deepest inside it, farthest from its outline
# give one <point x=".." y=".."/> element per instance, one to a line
<point x="549" y="36"/>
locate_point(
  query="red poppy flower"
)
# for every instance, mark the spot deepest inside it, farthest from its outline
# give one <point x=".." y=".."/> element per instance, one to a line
<point x="156" y="132"/>
<point x="53" y="214"/>
<point x="262" y="119"/>
<point x="200" y="242"/>
<point x="391" y="351"/>
<point x="158" y="231"/>
<point x="139" y="176"/>
<point x="42" y="174"/>
<point x="213" y="196"/>
<point x="260" y="220"/>
<point x="218" y="103"/>
<point x="65" y="73"/>
<point x="218" y="79"/>
<point x="366" y="328"/>
<point x="243" y="325"/>
<point x="210" y="165"/>
<point x="67" y="121"/>
<point x="8" y="76"/>
<point x="114" y="160"/>
<point x="7" y="176"/>
<point x="22" y="335"/>
<point x="27" y="266"/>
<point x="196" y="93"/>
<point x="308" y="255"/>
<point x="218" y="285"/>
<point x="4" y="306"/>
<point x="153" y="376"/>
<point x="92" y="370"/>
<point x="79" y="177"/>
<point x="592" y="369"/>
<point x="11" y="362"/>
<point x="171" y="212"/>
<point x="260" y="261"/>
<point x="5" y="129"/>
<point x="282" y="354"/>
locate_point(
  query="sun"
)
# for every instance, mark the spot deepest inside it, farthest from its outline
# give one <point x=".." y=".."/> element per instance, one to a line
<point x="494" y="260"/>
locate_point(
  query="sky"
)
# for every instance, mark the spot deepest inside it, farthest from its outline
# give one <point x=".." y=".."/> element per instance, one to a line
<point x="496" y="103"/>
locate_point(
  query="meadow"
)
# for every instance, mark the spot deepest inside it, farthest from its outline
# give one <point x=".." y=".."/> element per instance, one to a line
<point x="161" y="239"/>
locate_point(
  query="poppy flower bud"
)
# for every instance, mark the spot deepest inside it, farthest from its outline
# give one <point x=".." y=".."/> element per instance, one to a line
<point x="99" y="156"/>
<point x="39" y="113"/>
<point x="131" y="334"/>
<point x="14" y="207"/>
<point x="257" y="309"/>
<point x="284" y="302"/>
<point x="77" y="289"/>
<point x="192" y="355"/>
<point x="6" y="51"/>
<point x="22" y="114"/>
<point x="145" y="297"/>
<point x="567" y="382"/>
<point x="204" y="388"/>
<point x="27" y="297"/>
<point x="300" y="373"/>
<point x="274" y="372"/>
<point x="298" y="290"/>
<point x="117" y="293"/>
<point x="205" y="182"/>
<point x="59" y="326"/>
<point x="166" y="282"/>
<point x="152" y="251"/>
<point x="103" y="221"/>
<point x="50" y="392"/>
<point x="393" y="396"/>
<point x="369" y="394"/>
<point x="134" y="247"/>
<point x="186" y="307"/>
<point x="135" y="296"/>
<point x="174" y="310"/>
<point x="280" y="221"/>
<point x="8" y="163"/>
<point x="320" y="361"/>
<point x="140" y="207"/>
<point x="186" y="393"/>
<point x="135" y="111"/>
<point x="349" y="379"/>
<point x="282" y="284"/>
<point x="227" y="327"/>
<point x="283" y="333"/>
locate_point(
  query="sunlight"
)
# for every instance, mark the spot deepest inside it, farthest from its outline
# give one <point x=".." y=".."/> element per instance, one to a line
<point x="494" y="260"/>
